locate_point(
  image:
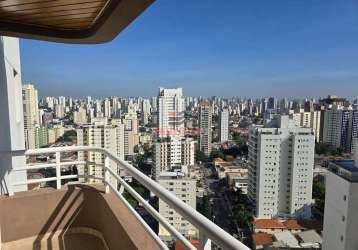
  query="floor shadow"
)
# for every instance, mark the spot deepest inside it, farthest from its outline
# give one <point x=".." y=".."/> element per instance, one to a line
<point x="67" y="202"/>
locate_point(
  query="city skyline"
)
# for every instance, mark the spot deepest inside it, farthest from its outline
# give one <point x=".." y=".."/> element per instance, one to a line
<point x="206" y="125"/>
<point x="310" y="46"/>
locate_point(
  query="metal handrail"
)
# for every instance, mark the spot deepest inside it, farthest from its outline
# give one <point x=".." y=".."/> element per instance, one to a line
<point x="207" y="229"/>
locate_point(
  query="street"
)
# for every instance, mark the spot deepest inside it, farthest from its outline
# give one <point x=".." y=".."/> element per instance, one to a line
<point x="221" y="213"/>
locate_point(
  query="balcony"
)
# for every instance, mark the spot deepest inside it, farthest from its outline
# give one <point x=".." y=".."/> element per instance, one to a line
<point x="80" y="215"/>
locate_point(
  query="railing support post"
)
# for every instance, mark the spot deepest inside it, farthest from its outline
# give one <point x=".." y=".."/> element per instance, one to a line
<point x="11" y="188"/>
<point x="58" y="170"/>
<point x="106" y="174"/>
<point x="121" y="189"/>
<point x="205" y="242"/>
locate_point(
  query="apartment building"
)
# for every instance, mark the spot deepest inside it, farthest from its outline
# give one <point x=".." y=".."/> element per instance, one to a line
<point x="54" y="133"/>
<point x="80" y="116"/>
<point x="110" y="137"/>
<point x="41" y="137"/>
<point x="173" y="153"/>
<point x="31" y="114"/>
<point x="185" y="189"/>
<point x="224" y="125"/>
<point x="281" y="159"/>
<point x="205" y="127"/>
<point x="340" y="128"/>
<point x="170" y="112"/>
<point x="188" y="146"/>
<point x="341" y="203"/>
<point x="131" y="136"/>
<point x="145" y="111"/>
<point x="308" y="120"/>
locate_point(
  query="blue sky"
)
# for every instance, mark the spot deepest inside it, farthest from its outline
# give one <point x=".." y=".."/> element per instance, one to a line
<point x="225" y="48"/>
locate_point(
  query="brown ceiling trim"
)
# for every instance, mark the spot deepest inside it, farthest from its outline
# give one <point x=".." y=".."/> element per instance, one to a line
<point x="51" y="5"/>
<point x="32" y="2"/>
<point x="117" y="16"/>
<point x="74" y="11"/>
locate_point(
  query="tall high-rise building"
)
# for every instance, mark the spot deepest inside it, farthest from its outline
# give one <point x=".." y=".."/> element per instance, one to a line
<point x="170" y="112"/>
<point x="224" y="125"/>
<point x="59" y="111"/>
<point x="131" y="138"/>
<point x="80" y="116"/>
<point x="308" y="120"/>
<point x="54" y="133"/>
<point x="50" y="102"/>
<point x="271" y="104"/>
<point x="110" y="137"/>
<point x="41" y="137"/>
<point x="316" y="124"/>
<point x="62" y="101"/>
<point x="205" y="127"/>
<point x="340" y="128"/>
<point x="188" y="146"/>
<point x="341" y="204"/>
<point x="145" y="111"/>
<point x="31" y="114"/>
<point x="281" y="159"/>
<point x="185" y="189"/>
<point x="107" y="108"/>
<point x="173" y="153"/>
<point x="264" y="105"/>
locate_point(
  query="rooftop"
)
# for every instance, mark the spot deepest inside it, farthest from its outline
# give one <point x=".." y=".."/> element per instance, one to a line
<point x="268" y="223"/>
<point x="262" y="239"/>
<point x="346" y="169"/>
<point x="291" y="224"/>
<point x="287" y="238"/>
<point x="179" y="245"/>
<point x="310" y="236"/>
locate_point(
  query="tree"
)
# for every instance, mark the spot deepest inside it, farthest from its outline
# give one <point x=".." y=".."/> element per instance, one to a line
<point x="322" y="148"/>
<point x="236" y="150"/>
<point x="241" y="209"/>
<point x="205" y="207"/>
<point x="200" y="156"/>
<point x="142" y="165"/>
<point x="238" y="138"/>
<point x="318" y="193"/>
<point x="68" y="136"/>
<point x="217" y="154"/>
<point x="140" y="189"/>
<point x="325" y="149"/>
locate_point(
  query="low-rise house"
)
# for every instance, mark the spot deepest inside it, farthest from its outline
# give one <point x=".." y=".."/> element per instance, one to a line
<point x="261" y="240"/>
<point x="294" y="226"/>
<point x="292" y="234"/>
<point x="310" y="239"/>
<point x="238" y="180"/>
<point x="287" y="238"/>
<point x="268" y="226"/>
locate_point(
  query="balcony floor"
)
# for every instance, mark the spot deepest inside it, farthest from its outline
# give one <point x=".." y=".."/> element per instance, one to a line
<point x="58" y="241"/>
<point x="74" y="217"/>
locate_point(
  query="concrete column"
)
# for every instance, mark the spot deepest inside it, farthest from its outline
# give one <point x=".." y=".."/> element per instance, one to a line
<point x="12" y="142"/>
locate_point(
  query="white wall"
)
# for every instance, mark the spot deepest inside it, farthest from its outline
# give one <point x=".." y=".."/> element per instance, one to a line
<point x="12" y="141"/>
